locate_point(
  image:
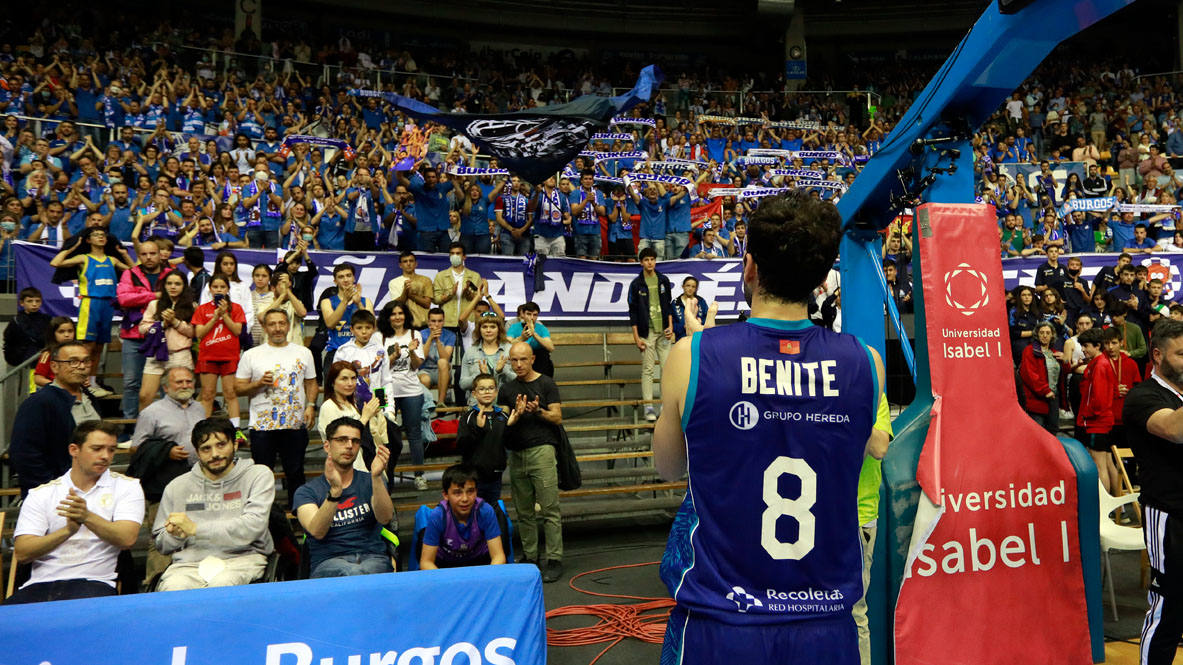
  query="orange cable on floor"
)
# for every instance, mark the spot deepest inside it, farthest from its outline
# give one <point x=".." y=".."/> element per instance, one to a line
<point x="616" y="621"/>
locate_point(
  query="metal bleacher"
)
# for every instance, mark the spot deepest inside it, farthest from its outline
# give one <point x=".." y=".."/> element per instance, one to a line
<point x="598" y="374"/>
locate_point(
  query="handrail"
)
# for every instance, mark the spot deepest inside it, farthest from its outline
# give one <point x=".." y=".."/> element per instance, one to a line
<point x="260" y="56"/>
<point x="24" y="365"/>
<point x="568" y="92"/>
<point x="77" y="123"/>
<point x="1143" y="76"/>
<point x="13" y="388"/>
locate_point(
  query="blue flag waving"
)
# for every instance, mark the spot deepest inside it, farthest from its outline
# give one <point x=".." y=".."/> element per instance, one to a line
<point x="534" y="144"/>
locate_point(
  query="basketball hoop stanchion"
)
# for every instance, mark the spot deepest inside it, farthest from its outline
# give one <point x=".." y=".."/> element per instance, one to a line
<point x="928" y="159"/>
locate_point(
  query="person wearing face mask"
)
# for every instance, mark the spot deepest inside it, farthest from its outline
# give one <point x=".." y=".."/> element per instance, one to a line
<point x="1074" y="289"/>
<point x="164" y="450"/>
<point x="456" y="289"/>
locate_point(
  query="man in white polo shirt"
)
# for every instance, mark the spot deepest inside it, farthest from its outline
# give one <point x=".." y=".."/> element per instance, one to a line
<point x="73" y="527"/>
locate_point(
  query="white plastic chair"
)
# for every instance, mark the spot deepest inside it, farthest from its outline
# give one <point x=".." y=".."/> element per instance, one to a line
<point x="1116" y="537"/>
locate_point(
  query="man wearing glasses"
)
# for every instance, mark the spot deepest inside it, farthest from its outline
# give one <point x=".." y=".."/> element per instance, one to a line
<point x="343" y="511"/>
<point x="44" y="422"/>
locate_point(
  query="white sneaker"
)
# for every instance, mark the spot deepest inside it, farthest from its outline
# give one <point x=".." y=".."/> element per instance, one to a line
<point x="650" y="414"/>
<point x="125" y="445"/>
<point x="420" y="483"/>
<point x="99" y="392"/>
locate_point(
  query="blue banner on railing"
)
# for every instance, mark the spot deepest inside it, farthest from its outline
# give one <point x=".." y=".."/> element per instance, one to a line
<point x="491" y="615"/>
<point x="1029" y="171"/>
<point x="573" y="289"/>
<point x="1164" y="266"/>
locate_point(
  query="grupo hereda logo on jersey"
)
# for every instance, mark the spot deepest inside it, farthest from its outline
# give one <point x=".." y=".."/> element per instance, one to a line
<point x="744" y="415"/>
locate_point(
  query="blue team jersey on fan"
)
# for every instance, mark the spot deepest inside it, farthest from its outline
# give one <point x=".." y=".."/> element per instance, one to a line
<point x="777" y="418"/>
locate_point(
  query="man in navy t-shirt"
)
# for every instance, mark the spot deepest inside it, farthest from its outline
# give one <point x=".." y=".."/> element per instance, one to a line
<point x="343" y="511"/>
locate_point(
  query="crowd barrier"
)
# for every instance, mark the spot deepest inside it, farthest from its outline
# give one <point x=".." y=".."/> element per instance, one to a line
<point x="572" y="289"/>
<point x="1163" y="265"/>
<point x="490" y="615"/>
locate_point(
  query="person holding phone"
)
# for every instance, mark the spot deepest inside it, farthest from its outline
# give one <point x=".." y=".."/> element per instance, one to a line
<point x="403" y="392"/>
<point x="217" y="324"/>
<point x="171" y="312"/>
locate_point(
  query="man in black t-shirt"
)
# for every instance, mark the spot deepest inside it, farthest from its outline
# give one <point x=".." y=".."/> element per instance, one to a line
<point x="1153" y="415"/>
<point x="533" y="473"/>
<point x="1052" y="275"/>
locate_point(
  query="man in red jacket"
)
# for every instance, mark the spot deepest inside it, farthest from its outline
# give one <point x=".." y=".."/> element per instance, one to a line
<point x="137" y="288"/>
<point x="1094" y="418"/>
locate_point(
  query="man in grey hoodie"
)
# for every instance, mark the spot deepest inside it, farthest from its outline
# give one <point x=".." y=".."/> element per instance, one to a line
<point x="213" y="520"/>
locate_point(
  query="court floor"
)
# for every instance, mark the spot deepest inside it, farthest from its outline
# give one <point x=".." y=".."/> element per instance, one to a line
<point x="599" y="549"/>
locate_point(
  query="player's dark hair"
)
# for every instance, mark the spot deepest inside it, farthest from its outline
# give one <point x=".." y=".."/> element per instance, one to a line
<point x="383" y="317"/>
<point x="219" y="277"/>
<point x="483" y="377"/>
<point x="1094" y="336"/>
<point x="194" y="255"/>
<point x="459" y="475"/>
<point x="210" y="426"/>
<point x="343" y="421"/>
<point x="363" y="316"/>
<point x="182" y="305"/>
<point x="647" y="253"/>
<point x="794" y="242"/>
<point x="78" y="438"/>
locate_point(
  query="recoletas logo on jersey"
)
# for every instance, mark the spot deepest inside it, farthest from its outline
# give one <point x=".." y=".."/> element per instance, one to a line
<point x="966" y="289"/>
<point x="743" y="600"/>
<point x="744" y="415"/>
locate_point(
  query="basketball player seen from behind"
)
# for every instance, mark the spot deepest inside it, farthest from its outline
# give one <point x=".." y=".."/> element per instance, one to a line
<point x="771" y="418"/>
